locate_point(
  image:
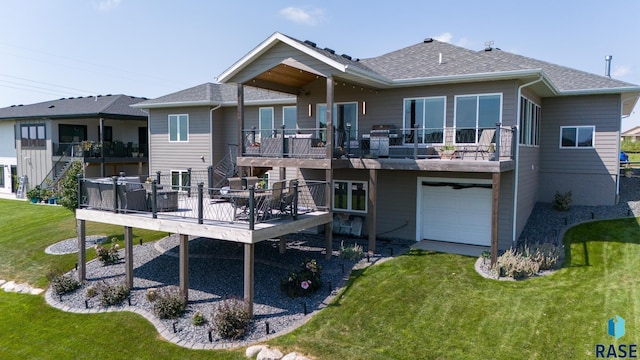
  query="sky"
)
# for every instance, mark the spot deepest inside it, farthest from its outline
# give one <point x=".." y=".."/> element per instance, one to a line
<point x="149" y="48"/>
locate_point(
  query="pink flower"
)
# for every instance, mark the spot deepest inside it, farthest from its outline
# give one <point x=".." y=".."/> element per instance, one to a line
<point x="304" y="285"/>
<point x="308" y="265"/>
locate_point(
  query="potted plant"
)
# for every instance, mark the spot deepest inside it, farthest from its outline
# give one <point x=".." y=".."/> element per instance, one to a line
<point x="34" y="194"/>
<point x="45" y="194"/>
<point x="446" y="151"/>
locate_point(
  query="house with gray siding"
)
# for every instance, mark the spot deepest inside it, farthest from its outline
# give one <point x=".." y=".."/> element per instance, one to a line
<point x="379" y="123"/>
<point x="102" y="131"/>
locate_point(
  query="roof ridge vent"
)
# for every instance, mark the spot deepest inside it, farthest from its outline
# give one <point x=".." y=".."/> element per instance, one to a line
<point x="488" y="45"/>
<point x="346" y="56"/>
<point x="310" y="43"/>
<point x="428" y="40"/>
<point x="330" y="50"/>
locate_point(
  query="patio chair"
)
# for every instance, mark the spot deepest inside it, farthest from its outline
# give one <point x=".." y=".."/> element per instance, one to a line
<point x="287" y="198"/>
<point x="275" y="201"/>
<point x="483" y="145"/>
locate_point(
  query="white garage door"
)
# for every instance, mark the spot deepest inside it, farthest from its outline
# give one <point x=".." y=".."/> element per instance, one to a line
<point x="456" y="212"/>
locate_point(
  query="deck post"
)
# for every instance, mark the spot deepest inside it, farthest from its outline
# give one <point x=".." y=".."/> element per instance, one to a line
<point x="252" y="205"/>
<point x="188" y="182"/>
<point x="128" y="257"/>
<point x="283" y="245"/>
<point x="210" y="180"/>
<point x="200" y="202"/>
<point x="82" y="251"/>
<point x="328" y="227"/>
<point x="496" y="155"/>
<point x="416" y="127"/>
<point x="495" y="196"/>
<point x="115" y="193"/>
<point x="184" y="266"/>
<point x="294" y="201"/>
<point x="248" y="275"/>
<point x="371" y="209"/>
<point x="240" y="125"/>
<point x="329" y="119"/>
<point x="154" y="197"/>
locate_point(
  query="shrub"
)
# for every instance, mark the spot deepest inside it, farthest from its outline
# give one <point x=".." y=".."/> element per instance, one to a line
<point x="108" y="256"/>
<point x="231" y="318"/>
<point x="546" y="255"/>
<point x="354" y="252"/>
<point x="303" y="282"/>
<point x="151" y="295"/>
<point x="63" y="284"/>
<point x="91" y="291"/>
<point x="562" y="202"/>
<point x="515" y="265"/>
<point x="198" y="319"/>
<point x="113" y="294"/>
<point x="169" y="304"/>
<point x="69" y="186"/>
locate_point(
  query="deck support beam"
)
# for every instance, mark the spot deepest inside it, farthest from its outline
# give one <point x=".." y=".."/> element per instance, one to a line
<point x="184" y="266"/>
<point x="249" y="275"/>
<point x="128" y="257"/>
<point x="82" y="250"/>
<point x="372" y="213"/>
<point x="283" y="245"/>
<point x="329" y="119"/>
<point x="495" y="196"/>
<point x="328" y="227"/>
<point x="240" y="122"/>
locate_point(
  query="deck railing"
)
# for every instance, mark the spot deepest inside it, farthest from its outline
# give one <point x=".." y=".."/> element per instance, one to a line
<point x="200" y="204"/>
<point x="382" y="141"/>
<point x="90" y="149"/>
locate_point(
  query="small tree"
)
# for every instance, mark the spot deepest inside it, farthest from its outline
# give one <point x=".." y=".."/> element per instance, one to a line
<point x="69" y="186"/>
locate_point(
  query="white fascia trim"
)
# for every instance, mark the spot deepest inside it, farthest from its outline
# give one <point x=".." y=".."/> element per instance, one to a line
<point x="263" y="102"/>
<point x="472" y="77"/>
<point x="175" y="104"/>
<point x="600" y="91"/>
<point x="269" y="43"/>
<point x="210" y="103"/>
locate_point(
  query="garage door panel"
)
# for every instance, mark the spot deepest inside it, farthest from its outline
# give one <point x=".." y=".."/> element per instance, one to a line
<point x="461" y="214"/>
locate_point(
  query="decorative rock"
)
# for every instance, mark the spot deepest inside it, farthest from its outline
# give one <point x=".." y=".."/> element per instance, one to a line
<point x="8" y="286"/>
<point x="22" y="289"/>
<point x="36" y="291"/>
<point x="269" y="354"/>
<point x="252" y="351"/>
<point x="2" y="282"/>
<point x="290" y="356"/>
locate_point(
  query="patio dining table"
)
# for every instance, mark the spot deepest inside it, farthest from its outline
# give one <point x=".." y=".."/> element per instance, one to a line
<point x="240" y="199"/>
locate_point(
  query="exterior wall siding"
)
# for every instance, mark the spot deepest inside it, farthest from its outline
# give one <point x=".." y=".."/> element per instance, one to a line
<point x="34" y="163"/>
<point x="580" y="170"/>
<point x="528" y="184"/>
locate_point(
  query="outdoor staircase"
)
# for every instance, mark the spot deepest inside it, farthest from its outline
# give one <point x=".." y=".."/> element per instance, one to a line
<point x="225" y="168"/>
<point x="58" y="170"/>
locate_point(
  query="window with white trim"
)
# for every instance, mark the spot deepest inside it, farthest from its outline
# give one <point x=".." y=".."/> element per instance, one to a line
<point x="345" y="117"/>
<point x="33" y="136"/>
<point x="289" y="119"/>
<point x="265" y="121"/>
<point x="179" y="128"/>
<point x="529" y="122"/>
<point x="350" y="195"/>
<point x="1" y="176"/>
<point x="179" y="180"/>
<point x="574" y="137"/>
<point x="474" y="113"/>
<point x="429" y="114"/>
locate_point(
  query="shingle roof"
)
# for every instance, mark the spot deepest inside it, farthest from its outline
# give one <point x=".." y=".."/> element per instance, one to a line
<point x="112" y="106"/>
<point x="215" y="94"/>
<point x="423" y="61"/>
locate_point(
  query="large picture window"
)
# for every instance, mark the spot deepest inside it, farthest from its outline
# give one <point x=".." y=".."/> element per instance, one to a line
<point x="33" y="136"/>
<point x="572" y="137"/>
<point x="529" y="122"/>
<point x="474" y="113"/>
<point x="429" y="115"/>
<point x="350" y="196"/>
<point x="178" y="128"/>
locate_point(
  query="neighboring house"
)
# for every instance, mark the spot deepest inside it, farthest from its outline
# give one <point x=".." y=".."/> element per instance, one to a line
<point x="8" y="159"/>
<point x="631" y="135"/>
<point x="194" y="128"/>
<point x="103" y="131"/>
<point x="558" y="130"/>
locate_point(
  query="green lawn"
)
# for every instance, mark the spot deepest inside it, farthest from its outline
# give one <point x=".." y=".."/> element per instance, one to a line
<point x="419" y="305"/>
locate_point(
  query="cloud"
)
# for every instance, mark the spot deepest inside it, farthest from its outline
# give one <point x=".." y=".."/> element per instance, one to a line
<point x="107" y="5"/>
<point x="309" y="17"/>
<point x="620" y="71"/>
<point x="444" y="37"/>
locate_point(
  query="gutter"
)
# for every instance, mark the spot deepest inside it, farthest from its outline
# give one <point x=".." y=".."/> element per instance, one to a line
<point x="517" y="159"/>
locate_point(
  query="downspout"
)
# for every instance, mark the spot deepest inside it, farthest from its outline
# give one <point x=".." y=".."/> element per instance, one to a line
<point x="211" y="132"/>
<point x="517" y="160"/>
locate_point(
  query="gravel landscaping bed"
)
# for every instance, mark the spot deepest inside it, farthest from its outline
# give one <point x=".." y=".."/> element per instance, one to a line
<point x="216" y="273"/>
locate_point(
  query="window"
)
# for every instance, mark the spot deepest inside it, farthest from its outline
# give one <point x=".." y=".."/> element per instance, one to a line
<point x="577" y="136"/>
<point x="529" y="122"/>
<point x="474" y="113"/>
<point x="179" y="180"/>
<point x="289" y="119"/>
<point x="429" y="115"/>
<point x="178" y="128"/>
<point x="345" y="116"/>
<point x="1" y="176"/>
<point x="266" y="122"/>
<point x="33" y="136"/>
<point x="350" y="195"/>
